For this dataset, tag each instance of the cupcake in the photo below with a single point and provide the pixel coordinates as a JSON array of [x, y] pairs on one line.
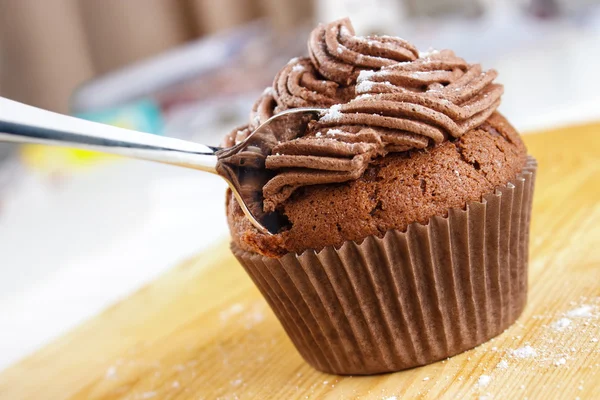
[[406, 206]]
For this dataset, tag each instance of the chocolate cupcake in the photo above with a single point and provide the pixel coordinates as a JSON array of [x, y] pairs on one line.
[[407, 206]]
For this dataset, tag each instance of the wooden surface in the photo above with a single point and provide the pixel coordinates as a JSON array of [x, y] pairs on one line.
[[202, 331]]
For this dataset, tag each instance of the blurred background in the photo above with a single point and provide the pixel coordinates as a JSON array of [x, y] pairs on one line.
[[79, 231]]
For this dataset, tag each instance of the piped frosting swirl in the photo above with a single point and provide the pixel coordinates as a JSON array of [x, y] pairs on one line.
[[339, 55], [382, 97], [299, 84]]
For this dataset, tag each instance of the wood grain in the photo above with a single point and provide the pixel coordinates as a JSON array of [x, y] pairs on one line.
[[202, 330]]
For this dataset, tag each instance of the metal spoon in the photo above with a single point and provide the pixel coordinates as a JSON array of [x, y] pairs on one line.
[[242, 165]]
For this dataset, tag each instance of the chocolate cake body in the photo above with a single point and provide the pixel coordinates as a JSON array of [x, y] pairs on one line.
[[395, 191]]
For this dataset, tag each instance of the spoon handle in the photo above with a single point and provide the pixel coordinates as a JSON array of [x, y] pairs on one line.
[[21, 123]]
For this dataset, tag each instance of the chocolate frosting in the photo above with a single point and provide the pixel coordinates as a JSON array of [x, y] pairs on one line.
[[383, 96]]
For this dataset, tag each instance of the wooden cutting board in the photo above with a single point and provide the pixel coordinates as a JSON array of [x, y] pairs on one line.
[[202, 330]]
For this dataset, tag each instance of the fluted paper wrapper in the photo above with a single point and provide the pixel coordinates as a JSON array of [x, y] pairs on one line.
[[409, 298]]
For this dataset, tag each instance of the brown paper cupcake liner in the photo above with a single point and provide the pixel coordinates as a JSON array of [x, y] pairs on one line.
[[409, 298]]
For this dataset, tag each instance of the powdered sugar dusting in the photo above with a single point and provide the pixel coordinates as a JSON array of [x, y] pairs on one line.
[[367, 86], [236, 382], [333, 114], [585, 311], [111, 373], [524, 352], [561, 324], [298, 68], [560, 361], [429, 53], [365, 75], [364, 86], [484, 380], [345, 31], [255, 316], [419, 74], [247, 315], [553, 346], [235, 309], [240, 136], [386, 72]]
